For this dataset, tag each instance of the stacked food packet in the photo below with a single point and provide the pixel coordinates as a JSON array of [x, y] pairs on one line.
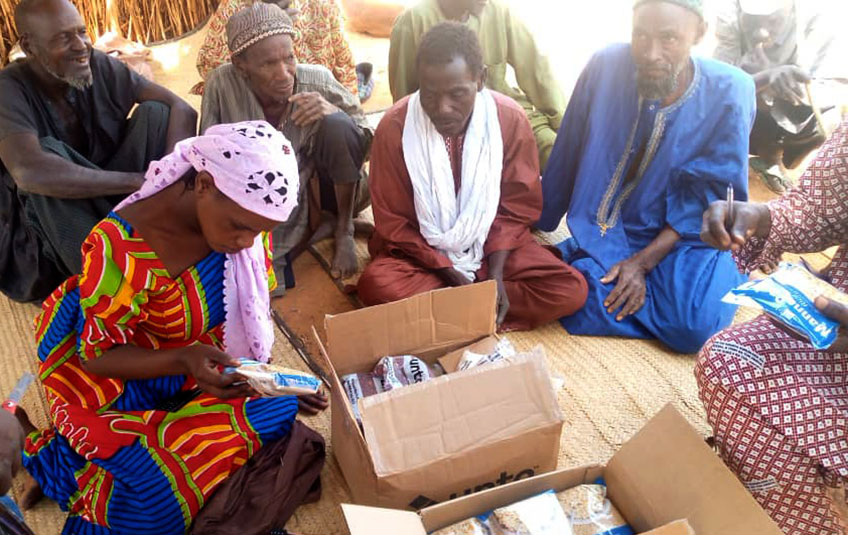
[[591, 513], [582, 510], [395, 372], [390, 373], [788, 295]]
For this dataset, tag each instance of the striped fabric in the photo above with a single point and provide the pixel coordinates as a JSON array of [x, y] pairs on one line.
[[116, 464]]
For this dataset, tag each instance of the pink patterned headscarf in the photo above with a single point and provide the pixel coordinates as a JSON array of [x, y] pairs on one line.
[[253, 164]]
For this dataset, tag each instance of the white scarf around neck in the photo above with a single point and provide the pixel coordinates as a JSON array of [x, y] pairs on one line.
[[456, 224]]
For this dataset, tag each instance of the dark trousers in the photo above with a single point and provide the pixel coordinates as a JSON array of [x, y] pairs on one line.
[[773, 143], [61, 225], [339, 151]]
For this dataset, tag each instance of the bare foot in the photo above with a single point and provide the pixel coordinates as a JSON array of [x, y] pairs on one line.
[[344, 261], [325, 229], [32, 493]]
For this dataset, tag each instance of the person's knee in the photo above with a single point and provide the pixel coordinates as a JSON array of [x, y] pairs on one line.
[[572, 291], [687, 339], [336, 128], [371, 287], [709, 356], [152, 109], [579, 292]]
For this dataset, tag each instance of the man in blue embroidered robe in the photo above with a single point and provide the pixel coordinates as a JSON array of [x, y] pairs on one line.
[[651, 136]]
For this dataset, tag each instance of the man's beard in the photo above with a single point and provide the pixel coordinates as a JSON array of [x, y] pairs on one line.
[[651, 89], [80, 82]]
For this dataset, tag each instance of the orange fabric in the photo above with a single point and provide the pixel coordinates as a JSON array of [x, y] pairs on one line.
[[540, 287]]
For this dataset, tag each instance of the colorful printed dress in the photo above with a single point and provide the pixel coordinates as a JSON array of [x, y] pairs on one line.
[[112, 460], [778, 407]]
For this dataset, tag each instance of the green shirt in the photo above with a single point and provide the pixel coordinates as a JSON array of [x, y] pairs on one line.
[[505, 41]]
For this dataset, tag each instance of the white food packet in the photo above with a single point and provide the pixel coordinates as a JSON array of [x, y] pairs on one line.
[[269, 380], [503, 350], [539, 515]]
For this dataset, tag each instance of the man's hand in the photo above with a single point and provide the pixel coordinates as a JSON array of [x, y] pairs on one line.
[[311, 107], [453, 277], [503, 301], [786, 82], [496, 262], [629, 293], [749, 219], [202, 362], [838, 312]]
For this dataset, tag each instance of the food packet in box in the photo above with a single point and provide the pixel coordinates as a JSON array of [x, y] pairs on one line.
[[269, 380], [539, 515], [590, 512], [358, 386], [472, 526], [503, 350], [788, 295], [390, 373], [403, 370]]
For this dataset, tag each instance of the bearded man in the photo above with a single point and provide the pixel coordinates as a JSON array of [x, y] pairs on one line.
[[68, 151], [651, 136]]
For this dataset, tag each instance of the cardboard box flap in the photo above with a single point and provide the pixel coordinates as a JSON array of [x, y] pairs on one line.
[[456, 413], [363, 520], [343, 402], [439, 319], [667, 472], [448, 513]]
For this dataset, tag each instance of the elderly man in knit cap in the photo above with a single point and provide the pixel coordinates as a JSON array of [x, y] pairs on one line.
[[785, 44], [321, 118], [650, 138]]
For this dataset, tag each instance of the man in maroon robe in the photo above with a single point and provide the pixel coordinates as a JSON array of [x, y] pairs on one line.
[[534, 285]]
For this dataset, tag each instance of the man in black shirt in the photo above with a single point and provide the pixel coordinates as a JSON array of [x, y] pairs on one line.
[[68, 151]]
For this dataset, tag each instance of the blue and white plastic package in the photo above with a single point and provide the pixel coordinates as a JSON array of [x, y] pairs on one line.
[[269, 380], [788, 295]]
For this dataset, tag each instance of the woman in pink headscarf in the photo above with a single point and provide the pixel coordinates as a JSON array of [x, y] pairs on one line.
[[174, 286]]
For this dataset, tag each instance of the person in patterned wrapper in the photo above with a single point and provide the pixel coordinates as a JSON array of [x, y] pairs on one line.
[[778, 407]]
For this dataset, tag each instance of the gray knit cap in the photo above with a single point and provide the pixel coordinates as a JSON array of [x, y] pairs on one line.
[[253, 23]]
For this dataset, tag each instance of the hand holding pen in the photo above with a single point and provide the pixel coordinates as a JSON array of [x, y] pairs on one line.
[[729, 224]]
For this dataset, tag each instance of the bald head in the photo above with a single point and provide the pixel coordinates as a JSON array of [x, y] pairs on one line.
[[29, 12], [54, 37]]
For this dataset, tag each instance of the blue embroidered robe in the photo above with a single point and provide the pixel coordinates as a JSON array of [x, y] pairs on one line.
[[692, 150]]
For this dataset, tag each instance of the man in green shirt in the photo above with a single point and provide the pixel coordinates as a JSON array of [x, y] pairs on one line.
[[505, 41]]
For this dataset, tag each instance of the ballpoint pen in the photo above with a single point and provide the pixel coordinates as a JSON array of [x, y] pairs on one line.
[[11, 403], [729, 217]]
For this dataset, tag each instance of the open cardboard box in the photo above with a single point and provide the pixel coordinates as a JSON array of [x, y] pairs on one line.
[[665, 479], [453, 435]]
